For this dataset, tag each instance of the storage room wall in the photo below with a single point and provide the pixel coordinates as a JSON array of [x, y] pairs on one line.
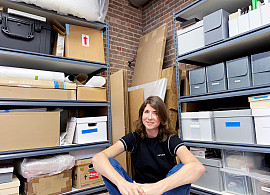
[[128, 23], [125, 23]]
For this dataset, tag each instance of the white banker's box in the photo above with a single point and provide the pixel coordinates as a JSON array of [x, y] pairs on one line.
[[91, 129]]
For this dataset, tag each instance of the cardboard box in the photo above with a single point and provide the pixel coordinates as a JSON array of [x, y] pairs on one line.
[[150, 56], [91, 129], [10, 188], [49, 184], [21, 82], [84, 175], [36, 93], [27, 130], [173, 117], [91, 93], [84, 43], [261, 101]]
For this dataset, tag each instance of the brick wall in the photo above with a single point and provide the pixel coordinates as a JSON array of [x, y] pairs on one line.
[[157, 12], [128, 24], [125, 26]]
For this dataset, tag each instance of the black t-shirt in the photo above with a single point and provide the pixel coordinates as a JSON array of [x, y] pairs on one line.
[[152, 160]]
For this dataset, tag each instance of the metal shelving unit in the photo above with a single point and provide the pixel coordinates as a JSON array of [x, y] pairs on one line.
[[32, 60], [253, 41], [87, 191]]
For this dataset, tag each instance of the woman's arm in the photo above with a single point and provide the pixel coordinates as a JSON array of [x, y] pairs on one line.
[[103, 166], [189, 173]]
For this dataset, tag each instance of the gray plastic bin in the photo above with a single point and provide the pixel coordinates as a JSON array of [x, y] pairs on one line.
[[234, 126], [212, 178], [239, 73], [197, 81], [216, 77], [261, 68], [216, 26]]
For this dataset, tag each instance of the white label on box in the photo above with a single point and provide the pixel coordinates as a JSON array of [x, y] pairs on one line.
[[85, 40], [194, 126], [197, 87], [217, 83], [265, 189], [237, 81]]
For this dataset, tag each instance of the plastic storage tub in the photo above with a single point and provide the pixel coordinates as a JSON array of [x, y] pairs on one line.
[[244, 161], [237, 182], [6, 174], [234, 126], [260, 184], [198, 126], [262, 125], [212, 178]]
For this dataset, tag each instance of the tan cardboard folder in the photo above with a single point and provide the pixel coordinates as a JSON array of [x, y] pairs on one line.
[[84, 43], [27, 130], [135, 100], [119, 105], [150, 56]]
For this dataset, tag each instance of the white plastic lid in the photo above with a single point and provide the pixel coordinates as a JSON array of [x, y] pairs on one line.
[[91, 119], [233, 171], [189, 28], [6, 169], [261, 177], [261, 112], [193, 115]]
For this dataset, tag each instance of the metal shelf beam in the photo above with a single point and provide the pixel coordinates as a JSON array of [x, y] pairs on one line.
[[51, 150], [32, 60], [87, 191], [228, 93], [56, 103], [229, 146]]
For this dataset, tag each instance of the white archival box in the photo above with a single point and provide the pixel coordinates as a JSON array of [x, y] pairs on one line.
[[91, 129], [190, 38]]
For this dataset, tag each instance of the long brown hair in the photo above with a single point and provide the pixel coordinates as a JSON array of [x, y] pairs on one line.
[[165, 129]]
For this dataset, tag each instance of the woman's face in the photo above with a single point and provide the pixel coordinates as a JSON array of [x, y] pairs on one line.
[[150, 118]]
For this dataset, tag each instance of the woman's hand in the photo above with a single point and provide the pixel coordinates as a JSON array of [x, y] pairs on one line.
[[127, 188]]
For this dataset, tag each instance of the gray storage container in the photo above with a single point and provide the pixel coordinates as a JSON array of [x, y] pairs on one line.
[[212, 178], [234, 126], [197, 81], [216, 77], [216, 26], [6, 174], [238, 73], [261, 68]]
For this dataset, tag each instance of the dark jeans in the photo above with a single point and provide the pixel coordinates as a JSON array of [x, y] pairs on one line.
[[113, 190]]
